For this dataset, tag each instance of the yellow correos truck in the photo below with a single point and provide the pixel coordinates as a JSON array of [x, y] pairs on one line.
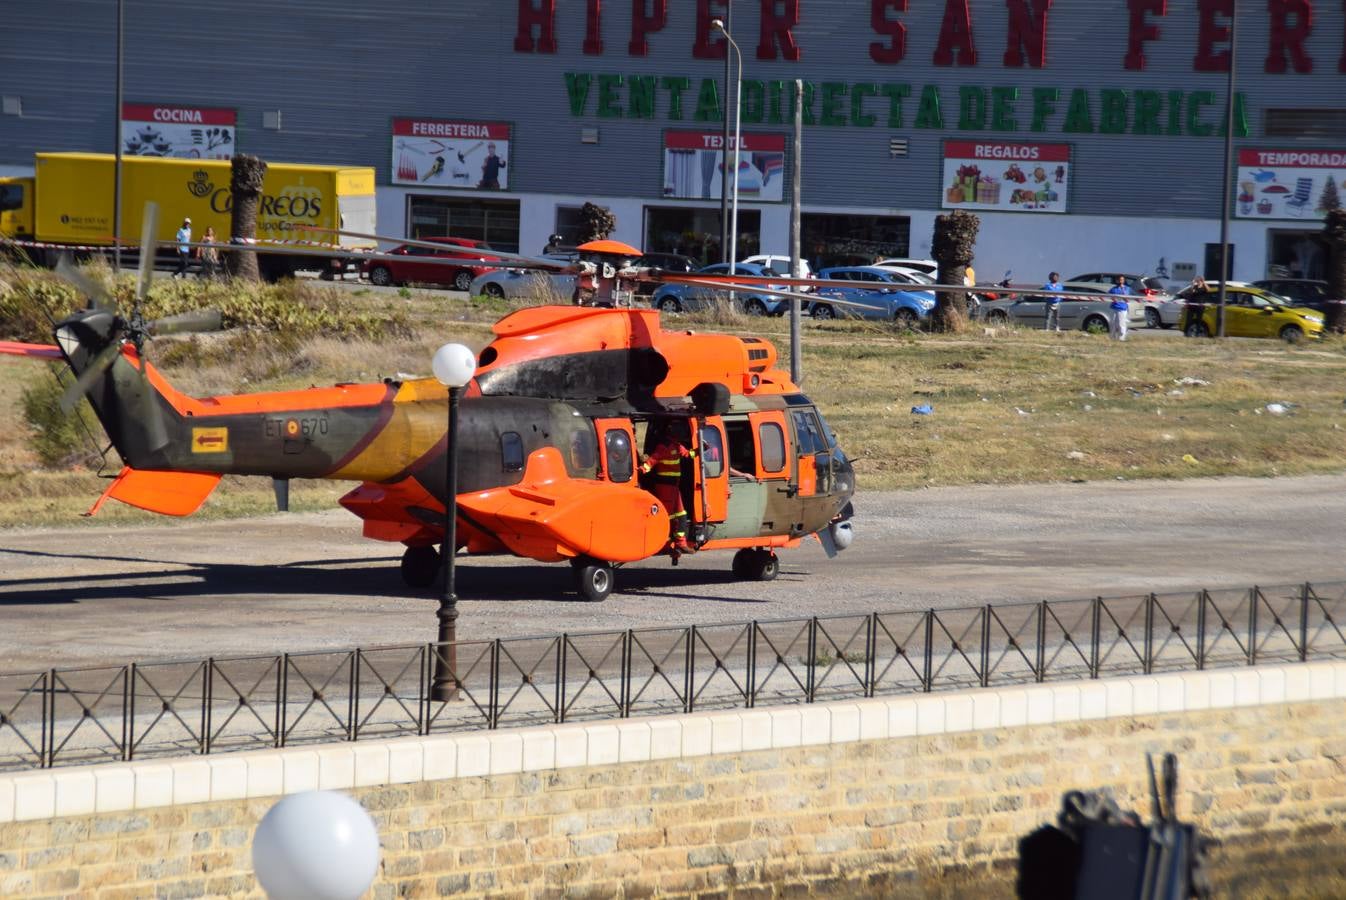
[[68, 202]]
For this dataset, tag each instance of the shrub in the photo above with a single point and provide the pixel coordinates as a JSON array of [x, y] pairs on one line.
[[59, 440]]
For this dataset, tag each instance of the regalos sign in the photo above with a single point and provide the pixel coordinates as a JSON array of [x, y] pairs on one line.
[[183, 132], [995, 176]]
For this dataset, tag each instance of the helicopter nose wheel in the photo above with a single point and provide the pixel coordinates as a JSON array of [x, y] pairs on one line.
[[420, 566], [594, 578], [752, 564]]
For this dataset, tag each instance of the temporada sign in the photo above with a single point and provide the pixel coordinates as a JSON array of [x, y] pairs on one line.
[[451, 153], [1289, 184], [184, 132], [1005, 177]]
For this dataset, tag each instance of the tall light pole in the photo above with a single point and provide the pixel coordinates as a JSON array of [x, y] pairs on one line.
[[738, 138], [724, 173], [117, 163], [1228, 166], [453, 366]]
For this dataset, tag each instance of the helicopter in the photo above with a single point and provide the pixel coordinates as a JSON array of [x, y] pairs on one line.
[[547, 458]]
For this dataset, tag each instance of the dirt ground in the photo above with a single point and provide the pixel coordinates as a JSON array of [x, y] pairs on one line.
[[293, 582]]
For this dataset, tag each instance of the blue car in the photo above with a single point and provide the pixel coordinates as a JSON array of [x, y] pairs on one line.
[[880, 293], [675, 298]]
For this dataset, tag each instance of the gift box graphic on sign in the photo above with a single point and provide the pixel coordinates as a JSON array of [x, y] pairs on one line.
[[988, 191]]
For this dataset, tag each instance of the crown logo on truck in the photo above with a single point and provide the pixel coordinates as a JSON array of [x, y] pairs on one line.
[[199, 186]]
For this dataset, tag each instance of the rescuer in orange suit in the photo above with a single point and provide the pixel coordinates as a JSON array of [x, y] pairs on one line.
[[663, 463]]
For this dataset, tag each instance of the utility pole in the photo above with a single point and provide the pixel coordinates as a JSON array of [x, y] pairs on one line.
[[796, 248], [1228, 166], [117, 162]]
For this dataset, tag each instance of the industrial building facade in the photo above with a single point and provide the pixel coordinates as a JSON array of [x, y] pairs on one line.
[[1087, 134]]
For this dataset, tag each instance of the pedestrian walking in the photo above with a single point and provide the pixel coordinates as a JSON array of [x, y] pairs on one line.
[[184, 239], [1120, 307], [1053, 303], [209, 255]]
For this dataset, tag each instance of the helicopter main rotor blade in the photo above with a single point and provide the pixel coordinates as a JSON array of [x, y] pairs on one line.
[[100, 364], [148, 245], [502, 255], [96, 293], [198, 320]]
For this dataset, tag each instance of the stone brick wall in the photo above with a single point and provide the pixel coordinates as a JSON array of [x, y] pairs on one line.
[[918, 796]]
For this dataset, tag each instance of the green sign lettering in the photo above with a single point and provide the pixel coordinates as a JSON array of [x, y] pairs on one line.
[[895, 93], [1002, 108], [971, 108], [675, 85], [928, 114], [577, 86], [1044, 104], [708, 102]]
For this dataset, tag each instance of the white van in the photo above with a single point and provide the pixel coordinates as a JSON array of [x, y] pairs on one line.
[[781, 266]]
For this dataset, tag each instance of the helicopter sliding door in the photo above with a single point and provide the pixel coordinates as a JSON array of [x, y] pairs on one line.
[[710, 496], [616, 449]]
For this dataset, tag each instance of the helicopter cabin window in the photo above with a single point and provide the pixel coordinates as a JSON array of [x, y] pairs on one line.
[[773, 446], [511, 451], [712, 452], [584, 452], [621, 465], [742, 452], [808, 433]]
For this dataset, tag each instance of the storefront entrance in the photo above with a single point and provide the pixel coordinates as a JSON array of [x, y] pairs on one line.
[[695, 232], [1294, 253], [494, 221], [852, 240]]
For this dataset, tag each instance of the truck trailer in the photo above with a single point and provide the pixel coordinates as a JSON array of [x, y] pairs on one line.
[[67, 205]]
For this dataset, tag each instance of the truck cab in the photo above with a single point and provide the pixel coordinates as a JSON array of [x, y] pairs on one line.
[[16, 208]]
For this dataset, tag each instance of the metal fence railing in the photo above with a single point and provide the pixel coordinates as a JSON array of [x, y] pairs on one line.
[[85, 715]]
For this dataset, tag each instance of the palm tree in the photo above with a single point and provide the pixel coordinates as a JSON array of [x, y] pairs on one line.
[[245, 184], [952, 247]]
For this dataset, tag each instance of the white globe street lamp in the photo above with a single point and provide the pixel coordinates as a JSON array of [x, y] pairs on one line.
[[453, 366]]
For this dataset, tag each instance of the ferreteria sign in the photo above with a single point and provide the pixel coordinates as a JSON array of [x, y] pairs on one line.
[[903, 105]]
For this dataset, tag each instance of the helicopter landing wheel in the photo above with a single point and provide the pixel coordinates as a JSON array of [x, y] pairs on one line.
[[420, 566], [756, 565], [594, 578]]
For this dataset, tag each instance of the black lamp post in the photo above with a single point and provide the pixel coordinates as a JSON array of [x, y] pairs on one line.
[[453, 366], [1225, 198]]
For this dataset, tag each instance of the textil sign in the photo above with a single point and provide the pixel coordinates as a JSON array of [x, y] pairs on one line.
[[451, 154], [182, 132], [1004, 177], [1289, 184], [694, 166]]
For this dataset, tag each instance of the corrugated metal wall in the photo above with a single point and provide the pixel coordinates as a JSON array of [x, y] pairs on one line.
[[339, 70]]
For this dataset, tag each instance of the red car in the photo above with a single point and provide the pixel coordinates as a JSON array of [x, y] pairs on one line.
[[415, 267]]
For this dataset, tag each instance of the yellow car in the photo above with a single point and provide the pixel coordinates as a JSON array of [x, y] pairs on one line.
[[1249, 312]]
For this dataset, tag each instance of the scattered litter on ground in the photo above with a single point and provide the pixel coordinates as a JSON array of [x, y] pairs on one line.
[[1177, 393], [1166, 436], [1087, 408], [1190, 459], [1277, 409], [1074, 454], [1189, 381], [924, 409], [1022, 412], [1088, 394]]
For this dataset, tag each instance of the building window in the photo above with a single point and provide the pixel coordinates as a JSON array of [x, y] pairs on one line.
[[695, 232], [846, 240], [1324, 124], [494, 221], [569, 225]]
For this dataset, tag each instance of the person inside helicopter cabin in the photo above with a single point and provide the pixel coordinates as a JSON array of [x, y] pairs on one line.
[[663, 465]]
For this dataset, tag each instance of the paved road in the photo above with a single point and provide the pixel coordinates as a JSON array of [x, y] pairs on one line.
[[308, 581]]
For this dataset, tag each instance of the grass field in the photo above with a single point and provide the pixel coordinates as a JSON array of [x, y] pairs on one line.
[[1009, 406]]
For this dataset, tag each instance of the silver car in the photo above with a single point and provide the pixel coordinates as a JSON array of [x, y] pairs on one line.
[[524, 284], [1030, 309], [1162, 309]]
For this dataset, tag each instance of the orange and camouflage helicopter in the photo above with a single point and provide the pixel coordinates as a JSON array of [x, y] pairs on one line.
[[550, 424]]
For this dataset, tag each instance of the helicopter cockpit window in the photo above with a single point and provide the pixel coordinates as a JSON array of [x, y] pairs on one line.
[[584, 451], [772, 439], [621, 465], [712, 452], [511, 451], [806, 432], [828, 434]]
